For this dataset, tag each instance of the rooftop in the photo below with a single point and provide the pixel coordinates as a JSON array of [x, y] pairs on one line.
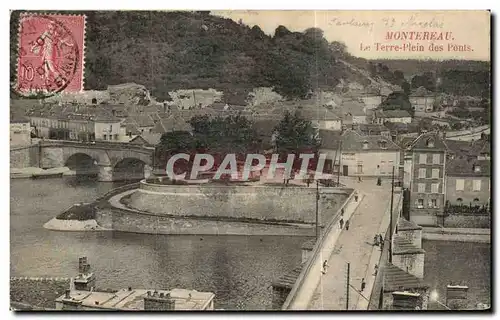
[[392, 113], [404, 246], [396, 279], [288, 280], [353, 141], [465, 168], [428, 141], [130, 300], [405, 225]]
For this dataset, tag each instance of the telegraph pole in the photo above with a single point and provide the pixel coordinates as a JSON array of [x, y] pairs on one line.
[[392, 204], [340, 164], [317, 210], [347, 287]]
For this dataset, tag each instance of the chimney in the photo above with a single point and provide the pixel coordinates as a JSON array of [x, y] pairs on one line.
[[163, 302], [82, 262]]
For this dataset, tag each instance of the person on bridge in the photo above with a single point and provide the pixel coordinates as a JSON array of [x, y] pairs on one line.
[[347, 225], [363, 284], [341, 222], [342, 212], [325, 266], [375, 240]]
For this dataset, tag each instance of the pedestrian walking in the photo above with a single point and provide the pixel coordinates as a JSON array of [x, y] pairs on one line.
[[356, 197], [341, 223], [375, 240], [342, 212], [363, 284], [380, 239], [347, 225], [325, 266], [376, 269]]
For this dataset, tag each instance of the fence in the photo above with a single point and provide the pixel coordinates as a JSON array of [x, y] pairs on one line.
[[314, 255]]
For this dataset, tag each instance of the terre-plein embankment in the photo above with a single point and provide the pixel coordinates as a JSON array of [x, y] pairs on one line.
[[215, 209]]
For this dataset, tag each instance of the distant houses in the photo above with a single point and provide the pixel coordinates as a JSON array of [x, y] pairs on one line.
[[394, 116]]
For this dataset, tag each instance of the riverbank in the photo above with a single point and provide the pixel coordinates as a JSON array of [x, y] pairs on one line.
[[73, 225], [457, 234], [34, 172]]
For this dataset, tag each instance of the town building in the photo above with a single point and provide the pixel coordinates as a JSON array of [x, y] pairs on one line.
[[136, 300], [75, 122], [353, 112], [322, 118], [108, 128], [372, 130], [422, 100], [424, 175], [468, 182], [371, 101], [394, 116], [367, 156], [20, 132]]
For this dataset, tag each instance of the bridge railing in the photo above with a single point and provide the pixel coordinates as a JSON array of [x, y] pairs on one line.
[[107, 144], [314, 255]]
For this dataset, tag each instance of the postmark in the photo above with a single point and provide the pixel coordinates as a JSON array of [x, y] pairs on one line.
[[50, 54]]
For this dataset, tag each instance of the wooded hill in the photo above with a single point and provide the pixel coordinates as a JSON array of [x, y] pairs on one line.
[[166, 51]]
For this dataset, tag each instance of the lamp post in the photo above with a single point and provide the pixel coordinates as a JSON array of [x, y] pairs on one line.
[[434, 297]]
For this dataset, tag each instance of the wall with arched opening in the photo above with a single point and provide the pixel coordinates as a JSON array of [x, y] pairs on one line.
[[82, 164], [129, 169]]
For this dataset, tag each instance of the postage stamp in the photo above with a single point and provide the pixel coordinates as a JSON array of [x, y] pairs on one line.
[[50, 54]]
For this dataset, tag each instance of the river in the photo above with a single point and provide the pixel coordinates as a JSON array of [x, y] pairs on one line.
[[238, 269]]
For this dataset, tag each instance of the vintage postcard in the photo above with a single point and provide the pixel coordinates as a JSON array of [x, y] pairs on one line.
[[250, 160]]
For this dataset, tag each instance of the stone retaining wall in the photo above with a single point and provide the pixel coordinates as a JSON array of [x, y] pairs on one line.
[[128, 221], [266, 203]]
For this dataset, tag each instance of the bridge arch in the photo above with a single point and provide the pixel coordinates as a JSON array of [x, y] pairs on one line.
[[82, 164], [130, 168]]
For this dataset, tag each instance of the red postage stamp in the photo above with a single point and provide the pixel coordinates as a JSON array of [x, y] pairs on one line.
[[50, 54]]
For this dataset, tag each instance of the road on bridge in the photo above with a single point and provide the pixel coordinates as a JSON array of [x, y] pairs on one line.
[[356, 247]]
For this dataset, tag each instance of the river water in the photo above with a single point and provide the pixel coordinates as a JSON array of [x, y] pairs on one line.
[[238, 269]]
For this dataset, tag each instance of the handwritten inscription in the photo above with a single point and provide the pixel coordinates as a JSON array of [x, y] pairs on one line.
[[414, 21]]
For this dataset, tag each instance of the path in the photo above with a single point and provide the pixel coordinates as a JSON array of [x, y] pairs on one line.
[[354, 246]]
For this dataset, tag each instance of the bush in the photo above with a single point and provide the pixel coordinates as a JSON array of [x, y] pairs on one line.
[[79, 212]]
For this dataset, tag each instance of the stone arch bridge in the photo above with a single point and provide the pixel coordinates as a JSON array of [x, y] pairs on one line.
[[110, 161]]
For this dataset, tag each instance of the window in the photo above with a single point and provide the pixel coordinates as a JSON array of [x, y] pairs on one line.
[[476, 185], [435, 188], [422, 172], [459, 200], [116, 137], [365, 144], [433, 203], [477, 168], [423, 158], [436, 158], [360, 168], [421, 187], [435, 173], [104, 136], [459, 186], [430, 143], [420, 203]]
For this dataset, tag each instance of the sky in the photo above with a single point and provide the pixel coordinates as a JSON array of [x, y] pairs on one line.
[[468, 31]]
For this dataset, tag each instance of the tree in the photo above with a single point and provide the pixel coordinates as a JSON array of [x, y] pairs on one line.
[[406, 88], [231, 134], [294, 134], [398, 100]]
